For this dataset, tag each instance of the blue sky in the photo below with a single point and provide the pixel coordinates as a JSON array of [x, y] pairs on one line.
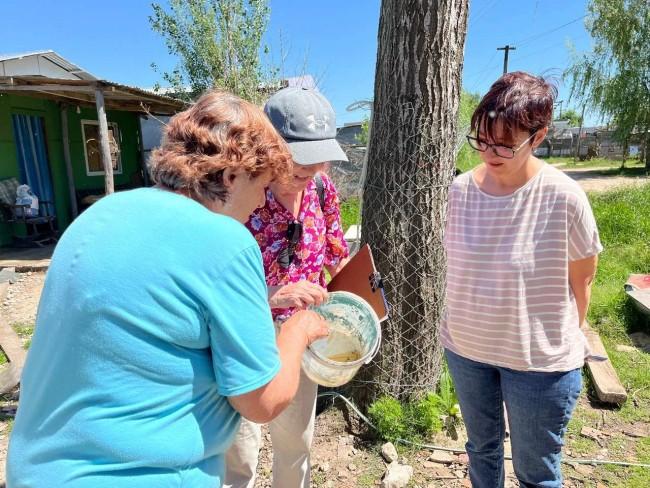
[[335, 40]]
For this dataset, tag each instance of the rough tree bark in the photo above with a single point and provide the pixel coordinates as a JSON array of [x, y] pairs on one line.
[[411, 160]]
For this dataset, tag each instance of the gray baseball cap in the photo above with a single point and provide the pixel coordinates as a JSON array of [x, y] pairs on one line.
[[306, 120]]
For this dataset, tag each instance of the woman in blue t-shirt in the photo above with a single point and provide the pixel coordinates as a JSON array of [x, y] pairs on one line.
[[154, 334]]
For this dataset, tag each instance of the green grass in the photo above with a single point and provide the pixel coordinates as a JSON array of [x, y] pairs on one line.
[[582, 446], [467, 158], [624, 222], [569, 163], [640, 477], [349, 212]]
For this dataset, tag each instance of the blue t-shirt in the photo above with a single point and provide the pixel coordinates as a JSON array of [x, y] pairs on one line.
[[154, 310]]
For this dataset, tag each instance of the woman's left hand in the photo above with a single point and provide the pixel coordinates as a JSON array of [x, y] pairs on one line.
[[301, 294]]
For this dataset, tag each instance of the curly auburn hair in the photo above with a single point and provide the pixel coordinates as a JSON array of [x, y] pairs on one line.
[[219, 131], [519, 101]]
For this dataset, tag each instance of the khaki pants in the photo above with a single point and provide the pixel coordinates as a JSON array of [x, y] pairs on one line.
[[291, 435]]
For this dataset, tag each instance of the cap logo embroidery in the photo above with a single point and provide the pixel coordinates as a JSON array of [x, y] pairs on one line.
[[317, 123]]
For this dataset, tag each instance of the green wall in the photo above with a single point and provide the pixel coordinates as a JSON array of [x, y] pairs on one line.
[[129, 145], [127, 123]]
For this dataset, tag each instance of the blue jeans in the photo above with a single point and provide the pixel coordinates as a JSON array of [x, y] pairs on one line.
[[539, 407]]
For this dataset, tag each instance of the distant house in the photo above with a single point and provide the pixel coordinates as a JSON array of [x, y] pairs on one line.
[[50, 136], [563, 140]]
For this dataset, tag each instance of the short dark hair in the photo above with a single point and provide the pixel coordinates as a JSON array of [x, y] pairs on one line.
[[517, 100]]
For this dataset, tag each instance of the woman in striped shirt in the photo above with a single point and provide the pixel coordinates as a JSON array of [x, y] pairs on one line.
[[522, 247]]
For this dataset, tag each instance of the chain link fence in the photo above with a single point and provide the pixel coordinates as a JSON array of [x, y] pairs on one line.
[[405, 214]]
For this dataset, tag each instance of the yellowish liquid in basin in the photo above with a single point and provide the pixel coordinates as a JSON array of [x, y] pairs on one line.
[[345, 357], [341, 346]]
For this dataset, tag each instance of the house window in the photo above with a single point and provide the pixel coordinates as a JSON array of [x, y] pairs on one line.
[[92, 149]]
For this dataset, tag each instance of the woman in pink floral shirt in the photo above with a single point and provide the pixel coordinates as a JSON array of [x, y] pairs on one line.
[[319, 246], [299, 238]]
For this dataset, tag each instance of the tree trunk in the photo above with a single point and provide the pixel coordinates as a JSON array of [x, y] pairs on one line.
[[411, 161]]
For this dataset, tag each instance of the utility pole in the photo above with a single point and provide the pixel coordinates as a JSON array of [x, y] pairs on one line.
[[582, 118], [507, 48], [560, 102]]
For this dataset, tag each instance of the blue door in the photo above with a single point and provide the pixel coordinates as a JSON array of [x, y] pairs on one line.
[[33, 164]]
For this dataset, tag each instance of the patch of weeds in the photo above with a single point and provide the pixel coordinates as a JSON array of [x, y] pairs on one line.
[[423, 417], [439, 410], [318, 478], [23, 329], [389, 417], [3, 357], [427, 414]]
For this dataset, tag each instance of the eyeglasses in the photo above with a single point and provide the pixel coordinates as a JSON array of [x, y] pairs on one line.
[[506, 152], [294, 233]]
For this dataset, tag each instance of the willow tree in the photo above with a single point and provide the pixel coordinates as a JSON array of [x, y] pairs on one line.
[[411, 157], [614, 78]]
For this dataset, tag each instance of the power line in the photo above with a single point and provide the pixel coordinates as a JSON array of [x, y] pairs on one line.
[[523, 42], [480, 79], [540, 51], [486, 8], [485, 68], [528, 40]]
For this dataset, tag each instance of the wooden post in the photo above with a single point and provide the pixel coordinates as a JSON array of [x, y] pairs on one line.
[[582, 118], [103, 141], [68, 161], [606, 382], [143, 162]]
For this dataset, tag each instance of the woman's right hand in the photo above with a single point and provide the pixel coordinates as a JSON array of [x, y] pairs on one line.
[[300, 294], [310, 324]]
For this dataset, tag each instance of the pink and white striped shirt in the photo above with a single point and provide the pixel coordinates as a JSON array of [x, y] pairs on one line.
[[509, 302]]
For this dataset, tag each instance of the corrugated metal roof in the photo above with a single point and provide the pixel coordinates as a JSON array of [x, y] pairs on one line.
[[5, 57], [82, 92], [52, 57]]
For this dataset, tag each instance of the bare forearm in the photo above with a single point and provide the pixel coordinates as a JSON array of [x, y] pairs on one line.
[[581, 277], [266, 403], [582, 296]]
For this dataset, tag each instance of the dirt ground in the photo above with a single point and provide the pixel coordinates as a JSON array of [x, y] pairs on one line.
[[17, 308], [22, 299], [591, 180], [340, 455]]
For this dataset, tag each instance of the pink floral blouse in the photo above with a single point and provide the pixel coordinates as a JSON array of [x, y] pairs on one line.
[[321, 243]]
